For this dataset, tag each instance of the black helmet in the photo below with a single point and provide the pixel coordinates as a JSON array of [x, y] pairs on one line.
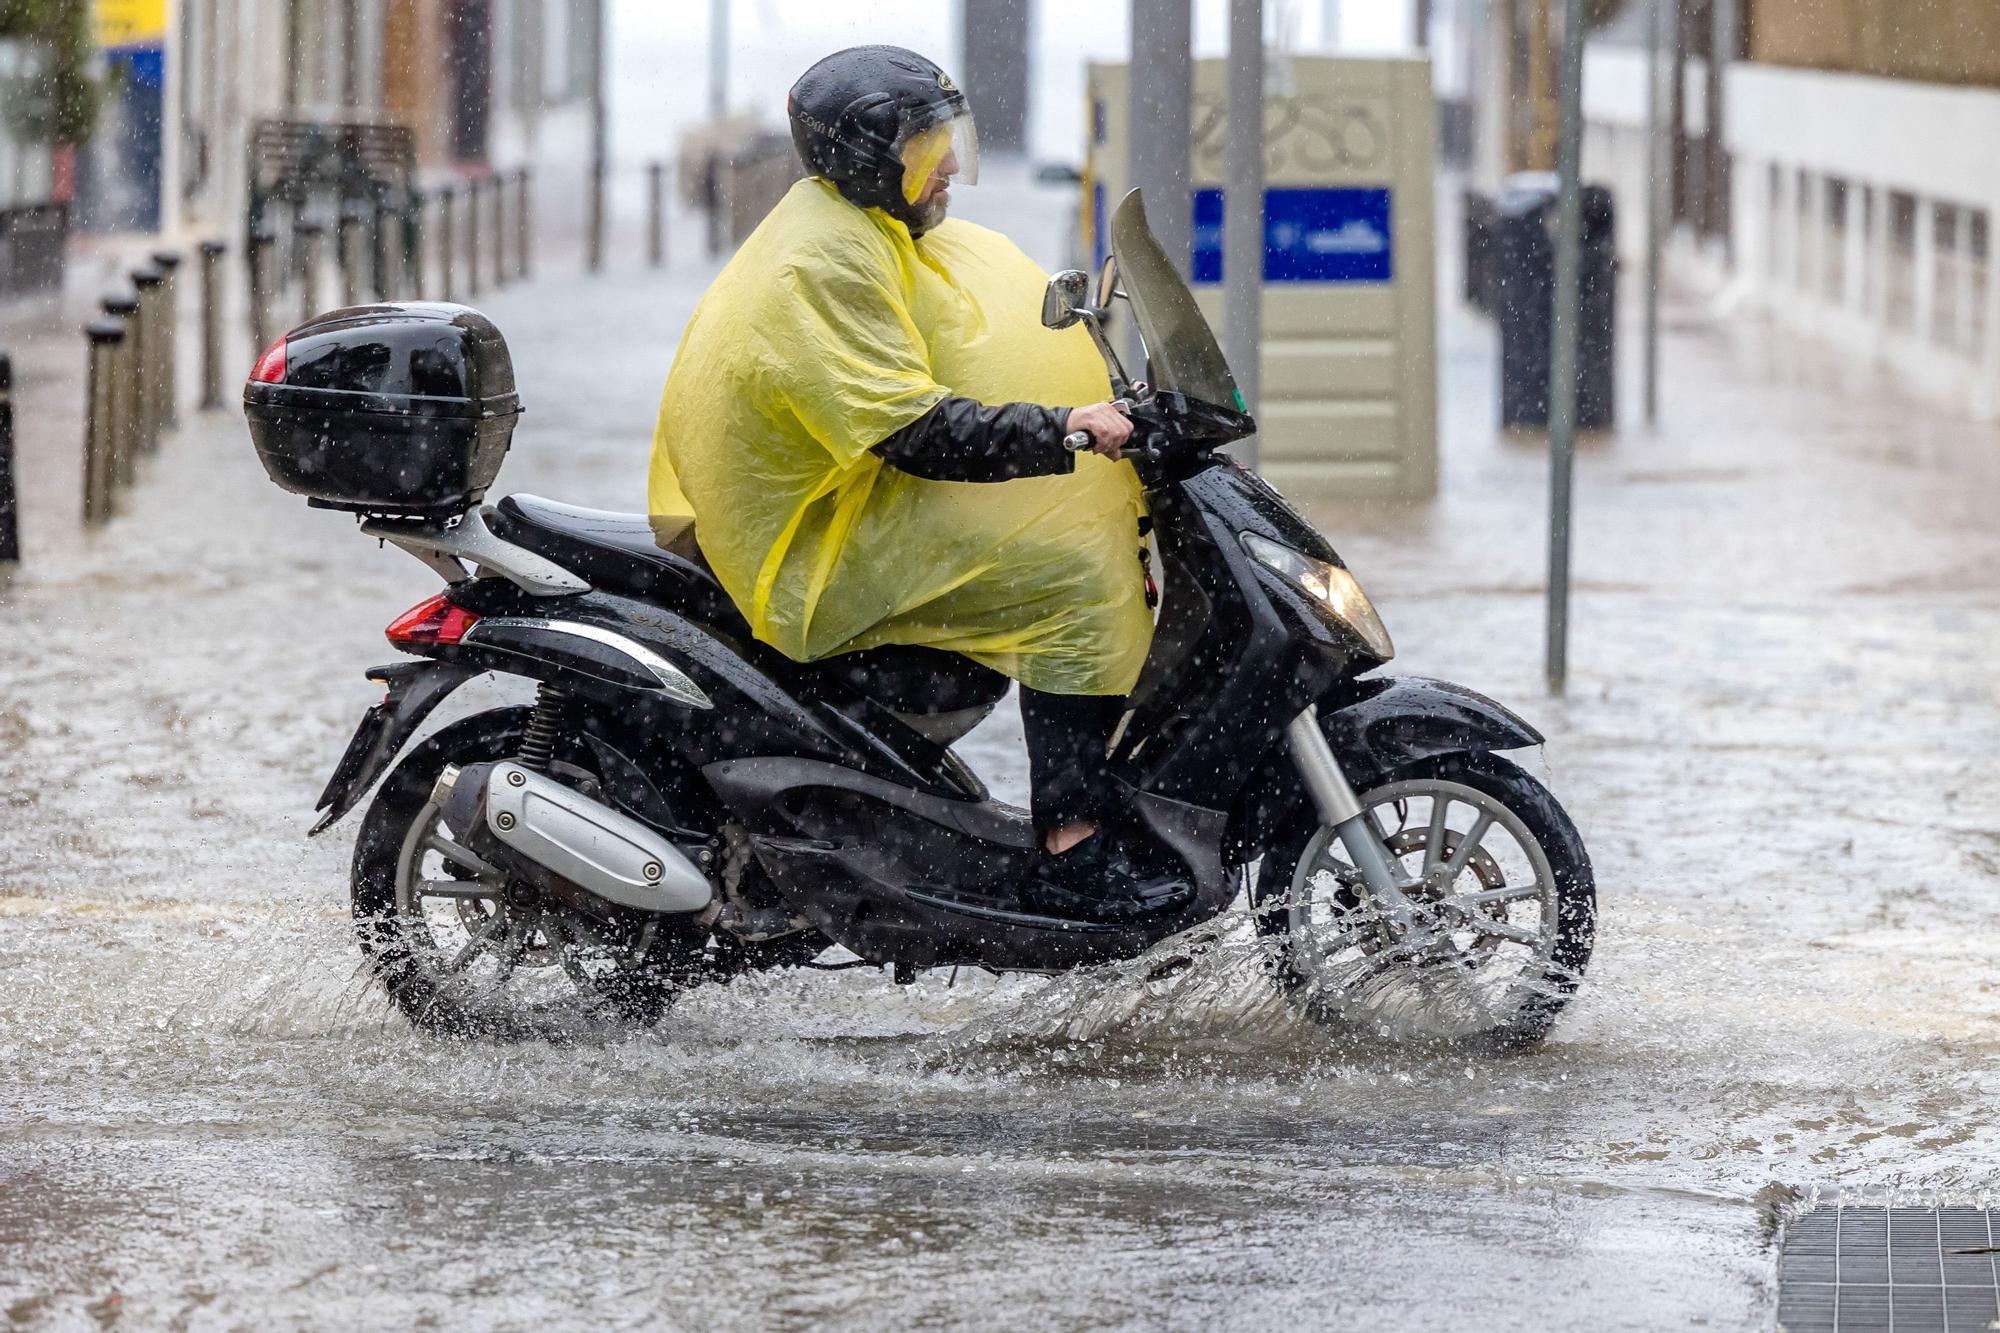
[[879, 121]]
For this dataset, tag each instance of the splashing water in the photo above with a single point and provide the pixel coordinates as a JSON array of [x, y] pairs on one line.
[[1223, 986]]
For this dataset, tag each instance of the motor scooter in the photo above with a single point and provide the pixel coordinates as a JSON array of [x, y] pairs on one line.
[[683, 802]]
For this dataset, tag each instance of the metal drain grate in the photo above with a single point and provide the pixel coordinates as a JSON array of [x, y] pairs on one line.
[[1899, 1270]]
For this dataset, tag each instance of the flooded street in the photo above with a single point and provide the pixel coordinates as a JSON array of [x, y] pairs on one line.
[[1778, 746]]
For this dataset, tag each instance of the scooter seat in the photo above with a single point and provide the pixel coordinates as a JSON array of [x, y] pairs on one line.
[[635, 554], [657, 558]]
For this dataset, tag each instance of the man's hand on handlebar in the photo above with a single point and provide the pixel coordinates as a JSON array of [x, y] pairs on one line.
[[1103, 427]]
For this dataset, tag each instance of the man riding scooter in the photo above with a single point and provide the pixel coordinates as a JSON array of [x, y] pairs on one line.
[[866, 417]]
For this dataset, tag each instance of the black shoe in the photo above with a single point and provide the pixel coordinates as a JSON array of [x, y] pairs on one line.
[[1098, 880]]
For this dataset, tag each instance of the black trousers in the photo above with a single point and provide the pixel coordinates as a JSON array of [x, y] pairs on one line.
[[1067, 735]]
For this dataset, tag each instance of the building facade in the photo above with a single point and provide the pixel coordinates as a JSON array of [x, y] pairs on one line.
[[1836, 177]]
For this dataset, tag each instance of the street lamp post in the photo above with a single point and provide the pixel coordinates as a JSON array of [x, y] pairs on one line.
[[1563, 357]]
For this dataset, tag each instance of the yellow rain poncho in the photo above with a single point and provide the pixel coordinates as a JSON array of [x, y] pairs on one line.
[[829, 331]]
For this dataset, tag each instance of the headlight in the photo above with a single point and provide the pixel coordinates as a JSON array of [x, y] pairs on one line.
[[1329, 585]]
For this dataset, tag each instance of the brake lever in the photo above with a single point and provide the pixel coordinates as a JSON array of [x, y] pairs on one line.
[[1080, 442]]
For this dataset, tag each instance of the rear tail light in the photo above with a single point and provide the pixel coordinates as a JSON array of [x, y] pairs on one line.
[[270, 368], [431, 624]]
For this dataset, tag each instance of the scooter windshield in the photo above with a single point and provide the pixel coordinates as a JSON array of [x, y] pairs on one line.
[[1180, 345]]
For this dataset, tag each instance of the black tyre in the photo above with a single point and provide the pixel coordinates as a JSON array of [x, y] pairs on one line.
[[464, 949], [1504, 887]]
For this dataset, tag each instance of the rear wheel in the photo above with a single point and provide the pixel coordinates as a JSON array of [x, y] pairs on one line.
[[1505, 901], [463, 947]]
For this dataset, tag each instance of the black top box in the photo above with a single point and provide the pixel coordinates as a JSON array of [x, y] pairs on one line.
[[402, 408]]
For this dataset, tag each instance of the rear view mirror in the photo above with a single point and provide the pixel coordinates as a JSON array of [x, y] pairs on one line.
[[1064, 299], [1107, 282]]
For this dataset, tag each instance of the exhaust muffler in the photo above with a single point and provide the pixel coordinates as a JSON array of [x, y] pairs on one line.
[[559, 830]]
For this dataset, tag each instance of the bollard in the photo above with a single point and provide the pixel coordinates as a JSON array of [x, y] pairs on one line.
[[656, 213], [522, 217], [10, 526], [413, 244], [124, 414], [594, 258], [343, 256], [257, 258], [472, 238], [144, 363], [100, 428], [502, 271], [211, 324], [446, 238], [168, 362], [387, 280], [309, 233]]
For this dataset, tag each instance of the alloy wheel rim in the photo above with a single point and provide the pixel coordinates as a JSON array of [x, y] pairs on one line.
[[1470, 894]]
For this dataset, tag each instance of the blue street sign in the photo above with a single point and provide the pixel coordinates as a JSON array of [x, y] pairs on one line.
[[1313, 235]]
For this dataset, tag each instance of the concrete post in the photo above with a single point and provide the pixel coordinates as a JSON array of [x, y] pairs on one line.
[[169, 363], [257, 257], [523, 225], [388, 282], [502, 270], [101, 425], [344, 257], [309, 233], [594, 258], [211, 324], [472, 193], [415, 279], [1243, 209], [656, 214], [1162, 89], [147, 282], [993, 69], [124, 454], [447, 237]]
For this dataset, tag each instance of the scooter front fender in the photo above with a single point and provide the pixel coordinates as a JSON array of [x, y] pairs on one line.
[[1377, 726], [1382, 724]]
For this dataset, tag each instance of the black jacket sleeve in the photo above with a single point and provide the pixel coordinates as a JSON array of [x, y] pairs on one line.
[[962, 439]]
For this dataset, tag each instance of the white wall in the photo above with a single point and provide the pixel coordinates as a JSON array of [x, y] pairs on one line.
[[1824, 162]]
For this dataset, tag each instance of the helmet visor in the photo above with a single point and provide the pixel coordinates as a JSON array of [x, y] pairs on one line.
[[947, 151]]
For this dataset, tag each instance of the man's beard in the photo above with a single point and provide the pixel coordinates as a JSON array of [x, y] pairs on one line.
[[932, 213]]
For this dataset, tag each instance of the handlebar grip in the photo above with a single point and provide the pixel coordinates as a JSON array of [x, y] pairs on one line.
[[1077, 441]]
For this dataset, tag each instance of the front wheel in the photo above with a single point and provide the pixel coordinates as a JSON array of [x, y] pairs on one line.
[[1505, 908], [462, 947]]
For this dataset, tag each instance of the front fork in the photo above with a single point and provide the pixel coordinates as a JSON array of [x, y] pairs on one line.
[[1342, 811]]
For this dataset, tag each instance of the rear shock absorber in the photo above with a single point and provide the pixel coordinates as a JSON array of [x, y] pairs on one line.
[[538, 745]]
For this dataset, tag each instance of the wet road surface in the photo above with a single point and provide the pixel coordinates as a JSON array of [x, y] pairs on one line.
[[1778, 745]]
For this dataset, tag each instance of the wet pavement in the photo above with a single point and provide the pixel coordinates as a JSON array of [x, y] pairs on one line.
[[1777, 743]]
